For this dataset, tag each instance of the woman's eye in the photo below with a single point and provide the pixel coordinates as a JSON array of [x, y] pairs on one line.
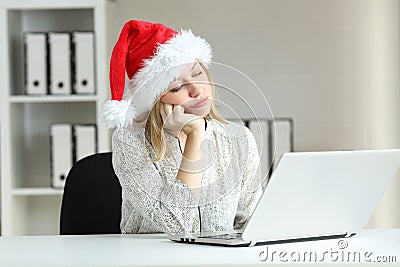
[[176, 89]]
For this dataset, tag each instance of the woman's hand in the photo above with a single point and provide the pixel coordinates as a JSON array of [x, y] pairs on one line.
[[176, 120]]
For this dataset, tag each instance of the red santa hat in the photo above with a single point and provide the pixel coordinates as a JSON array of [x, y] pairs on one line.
[[152, 56]]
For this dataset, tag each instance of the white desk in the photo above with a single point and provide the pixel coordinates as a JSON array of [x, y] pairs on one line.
[[155, 250]]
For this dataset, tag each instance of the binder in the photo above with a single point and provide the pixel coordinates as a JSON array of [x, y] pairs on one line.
[[61, 153], [35, 63], [260, 130], [283, 137], [60, 63], [85, 140], [83, 62]]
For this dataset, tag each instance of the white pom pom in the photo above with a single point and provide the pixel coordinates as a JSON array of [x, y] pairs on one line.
[[117, 113]]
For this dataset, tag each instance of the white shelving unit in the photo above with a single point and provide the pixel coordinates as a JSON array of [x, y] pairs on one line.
[[29, 206]]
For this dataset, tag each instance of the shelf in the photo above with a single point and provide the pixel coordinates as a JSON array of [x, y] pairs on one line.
[[28, 204], [64, 4], [52, 99], [37, 191]]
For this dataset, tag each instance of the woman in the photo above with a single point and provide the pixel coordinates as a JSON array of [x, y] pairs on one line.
[[182, 168]]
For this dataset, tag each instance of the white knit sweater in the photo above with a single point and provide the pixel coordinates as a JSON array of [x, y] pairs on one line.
[[155, 201]]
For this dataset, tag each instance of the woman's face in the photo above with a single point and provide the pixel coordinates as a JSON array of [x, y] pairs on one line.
[[192, 90]]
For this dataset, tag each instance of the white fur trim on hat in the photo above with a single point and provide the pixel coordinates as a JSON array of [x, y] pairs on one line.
[[117, 113]]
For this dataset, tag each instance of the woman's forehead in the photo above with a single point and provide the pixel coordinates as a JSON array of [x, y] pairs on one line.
[[187, 68], [190, 66]]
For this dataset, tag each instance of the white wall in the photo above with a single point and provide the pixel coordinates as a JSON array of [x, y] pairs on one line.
[[333, 66], [384, 98]]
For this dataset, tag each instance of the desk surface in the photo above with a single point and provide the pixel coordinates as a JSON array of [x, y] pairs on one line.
[[155, 250]]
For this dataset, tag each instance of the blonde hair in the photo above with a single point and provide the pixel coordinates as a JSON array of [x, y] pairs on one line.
[[154, 124]]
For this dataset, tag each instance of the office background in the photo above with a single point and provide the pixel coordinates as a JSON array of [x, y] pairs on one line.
[[332, 66]]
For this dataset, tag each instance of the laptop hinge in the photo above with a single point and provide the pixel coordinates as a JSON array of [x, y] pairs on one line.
[[349, 234], [252, 243]]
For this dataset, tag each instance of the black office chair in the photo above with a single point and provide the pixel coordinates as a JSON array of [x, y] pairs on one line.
[[91, 202]]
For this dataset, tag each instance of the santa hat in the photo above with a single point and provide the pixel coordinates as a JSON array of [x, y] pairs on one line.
[[152, 56]]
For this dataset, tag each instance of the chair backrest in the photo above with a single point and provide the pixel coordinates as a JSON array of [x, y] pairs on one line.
[[91, 202]]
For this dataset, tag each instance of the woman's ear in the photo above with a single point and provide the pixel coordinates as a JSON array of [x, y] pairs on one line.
[[162, 99]]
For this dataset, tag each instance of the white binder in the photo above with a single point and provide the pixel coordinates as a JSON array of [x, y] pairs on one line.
[[61, 153], [60, 63], [260, 130], [35, 63], [85, 140], [83, 51]]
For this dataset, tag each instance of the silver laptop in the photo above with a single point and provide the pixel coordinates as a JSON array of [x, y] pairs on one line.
[[314, 195]]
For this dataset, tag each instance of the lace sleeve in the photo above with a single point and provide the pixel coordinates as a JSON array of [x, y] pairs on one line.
[[251, 189], [171, 205]]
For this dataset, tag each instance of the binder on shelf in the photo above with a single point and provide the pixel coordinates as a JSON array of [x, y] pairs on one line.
[[260, 130], [283, 137], [85, 140], [60, 63], [83, 62], [61, 153], [35, 63]]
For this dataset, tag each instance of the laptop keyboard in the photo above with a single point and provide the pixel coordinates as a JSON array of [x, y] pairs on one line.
[[223, 236]]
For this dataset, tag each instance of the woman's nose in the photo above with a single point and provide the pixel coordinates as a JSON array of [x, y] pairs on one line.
[[195, 89]]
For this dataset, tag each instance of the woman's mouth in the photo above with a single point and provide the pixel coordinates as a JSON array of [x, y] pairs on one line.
[[200, 103]]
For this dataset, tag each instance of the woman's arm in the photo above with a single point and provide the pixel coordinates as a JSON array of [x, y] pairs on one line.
[[177, 122], [171, 205], [190, 170]]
